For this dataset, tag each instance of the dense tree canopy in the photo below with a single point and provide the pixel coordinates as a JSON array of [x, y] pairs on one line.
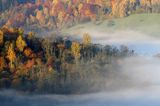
[[58, 13]]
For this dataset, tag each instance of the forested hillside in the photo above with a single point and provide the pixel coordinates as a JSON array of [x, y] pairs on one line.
[[57, 14]]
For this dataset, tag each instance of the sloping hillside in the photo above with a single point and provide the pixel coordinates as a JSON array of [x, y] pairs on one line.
[[57, 14], [143, 23]]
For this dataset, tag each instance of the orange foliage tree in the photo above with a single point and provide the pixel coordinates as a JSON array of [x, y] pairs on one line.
[[1, 37], [29, 53]]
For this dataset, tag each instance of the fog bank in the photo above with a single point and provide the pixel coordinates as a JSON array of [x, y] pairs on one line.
[[136, 82]]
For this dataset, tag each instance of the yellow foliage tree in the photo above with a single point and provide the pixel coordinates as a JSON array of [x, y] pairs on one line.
[[132, 1], [1, 37], [20, 43], [20, 31], [80, 6], [86, 39], [40, 17], [75, 13], [30, 35], [75, 49], [11, 55], [61, 16], [55, 2]]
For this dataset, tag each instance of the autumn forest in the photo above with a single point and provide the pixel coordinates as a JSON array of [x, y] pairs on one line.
[[37, 56]]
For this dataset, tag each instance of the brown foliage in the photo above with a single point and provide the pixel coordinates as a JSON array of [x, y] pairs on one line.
[[2, 63], [30, 64], [1, 37]]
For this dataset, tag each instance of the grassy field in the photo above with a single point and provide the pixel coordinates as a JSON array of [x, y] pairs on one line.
[[144, 23]]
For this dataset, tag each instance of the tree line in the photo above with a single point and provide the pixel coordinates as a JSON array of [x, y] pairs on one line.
[[54, 64]]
